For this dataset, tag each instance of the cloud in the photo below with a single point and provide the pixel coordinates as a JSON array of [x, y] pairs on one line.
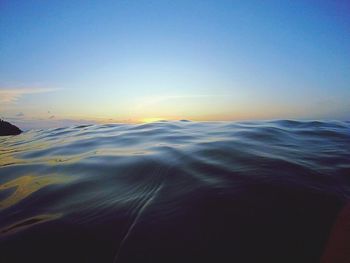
[[10, 95], [20, 114]]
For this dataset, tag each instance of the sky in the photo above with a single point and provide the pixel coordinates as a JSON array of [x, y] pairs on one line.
[[64, 62]]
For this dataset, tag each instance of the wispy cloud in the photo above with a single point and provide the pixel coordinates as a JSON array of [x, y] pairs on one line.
[[10, 95]]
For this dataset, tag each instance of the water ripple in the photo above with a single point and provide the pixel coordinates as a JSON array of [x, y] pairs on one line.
[[169, 191]]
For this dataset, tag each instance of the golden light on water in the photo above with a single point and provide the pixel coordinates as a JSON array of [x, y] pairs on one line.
[[25, 186], [28, 222]]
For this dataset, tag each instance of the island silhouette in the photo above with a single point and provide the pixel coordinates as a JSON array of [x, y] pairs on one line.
[[7, 128]]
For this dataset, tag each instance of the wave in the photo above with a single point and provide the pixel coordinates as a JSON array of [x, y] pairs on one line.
[[176, 191]]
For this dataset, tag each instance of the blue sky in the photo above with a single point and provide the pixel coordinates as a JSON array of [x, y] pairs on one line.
[[200, 60]]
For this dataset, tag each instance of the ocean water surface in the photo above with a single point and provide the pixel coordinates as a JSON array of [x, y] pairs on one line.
[[173, 192]]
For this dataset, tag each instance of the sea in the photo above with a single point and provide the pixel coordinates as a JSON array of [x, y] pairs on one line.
[[173, 191]]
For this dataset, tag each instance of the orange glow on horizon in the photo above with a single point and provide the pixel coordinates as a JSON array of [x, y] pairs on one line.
[[152, 119]]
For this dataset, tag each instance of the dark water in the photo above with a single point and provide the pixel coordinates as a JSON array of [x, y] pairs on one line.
[[173, 192]]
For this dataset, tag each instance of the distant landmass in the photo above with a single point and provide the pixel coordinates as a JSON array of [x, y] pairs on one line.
[[7, 128]]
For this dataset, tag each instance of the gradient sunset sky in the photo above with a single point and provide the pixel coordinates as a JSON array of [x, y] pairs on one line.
[[130, 61]]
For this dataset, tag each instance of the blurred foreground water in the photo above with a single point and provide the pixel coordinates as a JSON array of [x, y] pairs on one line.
[[173, 192]]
